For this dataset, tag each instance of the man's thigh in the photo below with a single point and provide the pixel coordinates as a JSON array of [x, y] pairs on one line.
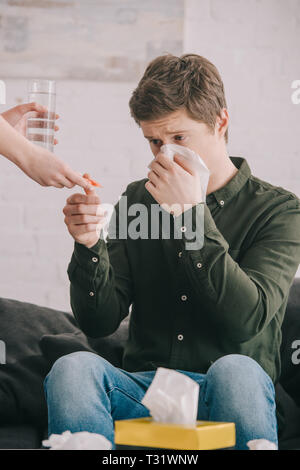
[[129, 389], [126, 393]]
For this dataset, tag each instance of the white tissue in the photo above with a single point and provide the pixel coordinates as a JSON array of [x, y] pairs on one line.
[[77, 441], [172, 397], [261, 444], [169, 150]]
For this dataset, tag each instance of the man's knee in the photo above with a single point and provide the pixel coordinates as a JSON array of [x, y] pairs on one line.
[[77, 367], [237, 369]]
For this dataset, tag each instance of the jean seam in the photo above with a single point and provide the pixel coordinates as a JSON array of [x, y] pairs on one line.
[[205, 400], [45, 384], [127, 394], [272, 401]]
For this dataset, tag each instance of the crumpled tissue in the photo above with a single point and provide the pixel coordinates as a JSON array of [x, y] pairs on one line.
[[83, 440], [261, 444], [196, 162], [172, 397]]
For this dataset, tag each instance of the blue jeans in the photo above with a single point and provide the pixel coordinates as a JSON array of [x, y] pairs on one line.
[[84, 392]]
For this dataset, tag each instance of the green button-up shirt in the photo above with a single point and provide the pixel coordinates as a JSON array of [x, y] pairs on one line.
[[191, 307]]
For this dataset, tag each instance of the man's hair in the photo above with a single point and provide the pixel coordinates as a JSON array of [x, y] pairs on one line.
[[171, 83]]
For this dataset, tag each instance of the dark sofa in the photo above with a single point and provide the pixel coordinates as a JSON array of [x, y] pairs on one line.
[[36, 336]]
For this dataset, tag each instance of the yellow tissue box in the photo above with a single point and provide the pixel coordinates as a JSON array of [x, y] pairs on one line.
[[145, 432]]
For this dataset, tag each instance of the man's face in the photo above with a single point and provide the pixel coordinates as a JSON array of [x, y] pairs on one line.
[[179, 128]]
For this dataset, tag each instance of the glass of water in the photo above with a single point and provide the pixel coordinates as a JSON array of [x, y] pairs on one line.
[[41, 128]]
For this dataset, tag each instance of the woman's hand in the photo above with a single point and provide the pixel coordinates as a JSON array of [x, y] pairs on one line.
[[17, 116], [48, 170], [38, 163]]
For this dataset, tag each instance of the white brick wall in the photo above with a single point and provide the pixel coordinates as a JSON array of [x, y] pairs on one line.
[[254, 44], [96, 135]]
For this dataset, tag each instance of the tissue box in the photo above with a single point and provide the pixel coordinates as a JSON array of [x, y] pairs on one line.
[[146, 433]]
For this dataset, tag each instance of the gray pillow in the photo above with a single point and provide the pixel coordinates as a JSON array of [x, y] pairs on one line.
[[21, 377], [35, 337]]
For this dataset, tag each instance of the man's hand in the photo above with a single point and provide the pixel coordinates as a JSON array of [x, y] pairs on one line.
[[173, 183], [84, 218]]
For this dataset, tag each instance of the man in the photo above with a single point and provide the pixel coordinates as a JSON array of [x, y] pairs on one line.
[[213, 313]]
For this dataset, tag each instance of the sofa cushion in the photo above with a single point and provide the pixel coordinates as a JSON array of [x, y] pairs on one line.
[[290, 433], [110, 347], [290, 357], [34, 338], [20, 437], [21, 376]]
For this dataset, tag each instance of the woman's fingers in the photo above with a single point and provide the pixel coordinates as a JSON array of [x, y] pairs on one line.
[[56, 184], [27, 107], [66, 182], [76, 178], [70, 183]]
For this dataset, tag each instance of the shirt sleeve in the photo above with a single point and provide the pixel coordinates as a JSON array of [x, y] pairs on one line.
[[242, 297], [101, 283]]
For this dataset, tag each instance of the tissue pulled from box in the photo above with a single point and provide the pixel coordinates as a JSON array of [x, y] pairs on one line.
[[195, 162], [83, 440], [172, 397]]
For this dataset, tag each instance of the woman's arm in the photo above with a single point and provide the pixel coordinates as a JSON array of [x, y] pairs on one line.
[[36, 162]]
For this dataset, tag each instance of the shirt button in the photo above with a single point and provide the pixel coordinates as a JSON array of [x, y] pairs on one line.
[[183, 229], [180, 254], [180, 337], [222, 203], [94, 259], [199, 265], [183, 297], [92, 294]]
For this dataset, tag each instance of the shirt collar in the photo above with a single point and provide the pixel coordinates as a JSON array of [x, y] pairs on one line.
[[222, 195]]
